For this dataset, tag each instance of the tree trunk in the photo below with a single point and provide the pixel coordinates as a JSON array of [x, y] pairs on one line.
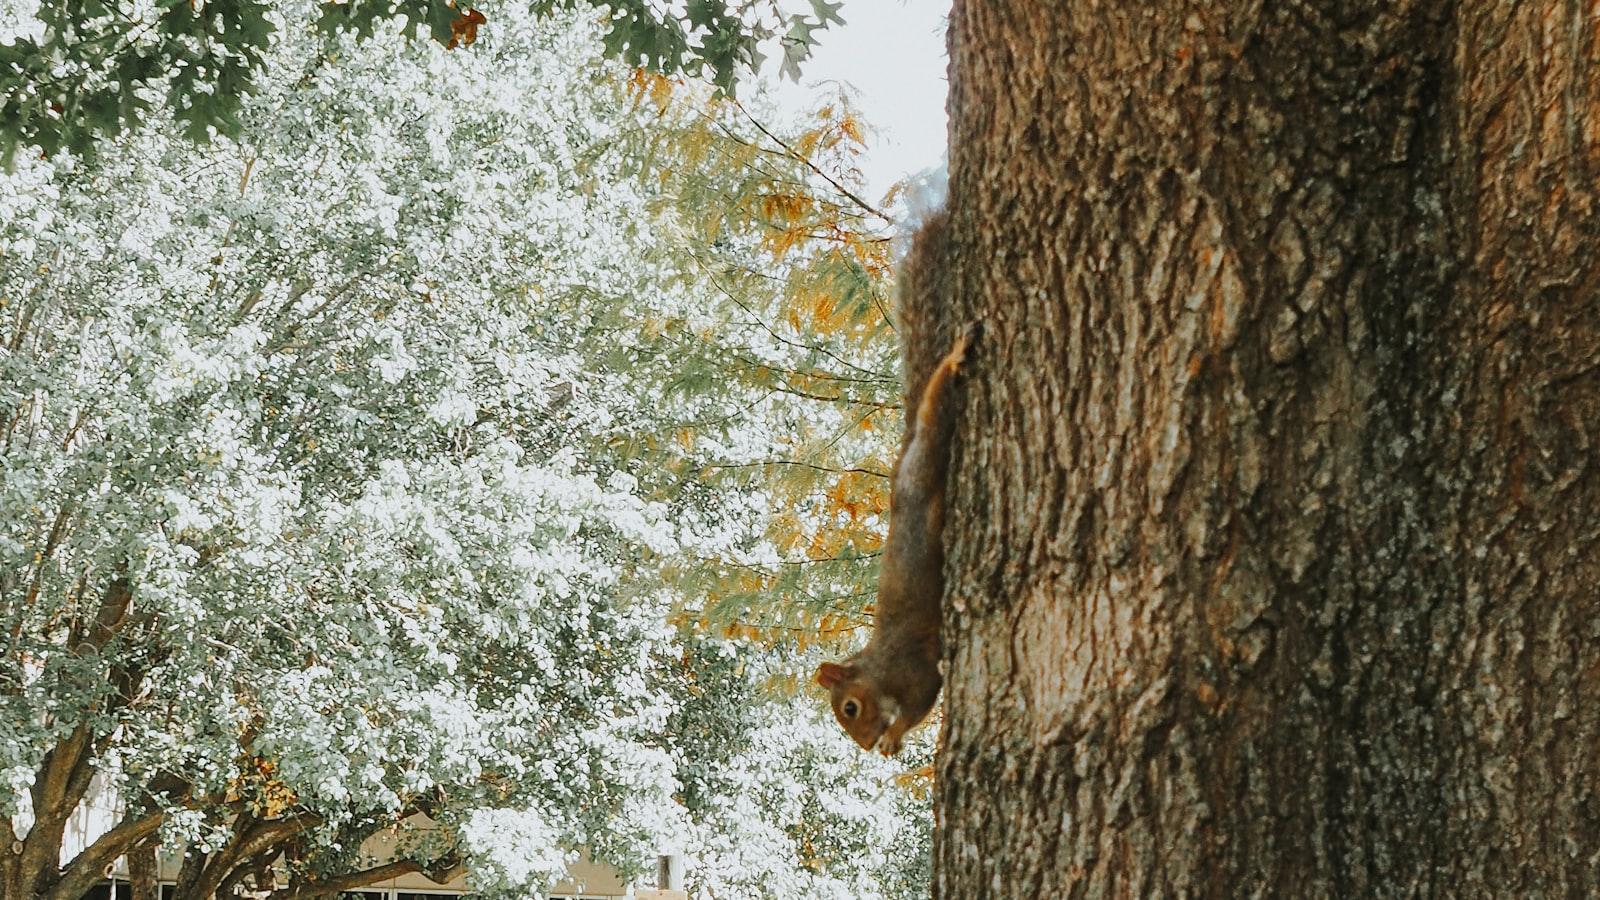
[[1275, 542], [142, 871]]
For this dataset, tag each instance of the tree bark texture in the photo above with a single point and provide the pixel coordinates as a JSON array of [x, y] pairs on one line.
[[1274, 553], [142, 872]]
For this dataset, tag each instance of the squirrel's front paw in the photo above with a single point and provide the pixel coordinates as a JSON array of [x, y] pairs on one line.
[[969, 336], [889, 742]]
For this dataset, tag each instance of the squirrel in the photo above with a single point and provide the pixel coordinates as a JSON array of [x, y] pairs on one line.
[[890, 686]]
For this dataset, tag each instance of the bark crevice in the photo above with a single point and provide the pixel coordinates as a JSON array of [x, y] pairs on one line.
[[1277, 519]]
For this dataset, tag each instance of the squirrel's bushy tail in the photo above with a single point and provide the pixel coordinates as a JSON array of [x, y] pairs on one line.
[[921, 307]]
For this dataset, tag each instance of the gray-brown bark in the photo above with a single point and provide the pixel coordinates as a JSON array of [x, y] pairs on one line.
[[142, 872], [1275, 536], [31, 867]]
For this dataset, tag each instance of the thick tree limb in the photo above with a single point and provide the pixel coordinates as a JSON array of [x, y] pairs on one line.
[[142, 870], [442, 871], [251, 840], [88, 867]]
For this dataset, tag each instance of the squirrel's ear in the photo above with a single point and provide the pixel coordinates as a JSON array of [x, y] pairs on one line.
[[830, 674]]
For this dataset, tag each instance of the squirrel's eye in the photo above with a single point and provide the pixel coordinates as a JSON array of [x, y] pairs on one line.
[[851, 708]]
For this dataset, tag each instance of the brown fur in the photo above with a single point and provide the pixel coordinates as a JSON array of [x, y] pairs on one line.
[[890, 686], [920, 298]]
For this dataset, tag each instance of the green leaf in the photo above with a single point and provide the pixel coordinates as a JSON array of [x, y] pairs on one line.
[[439, 16], [708, 14], [702, 37], [827, 12]]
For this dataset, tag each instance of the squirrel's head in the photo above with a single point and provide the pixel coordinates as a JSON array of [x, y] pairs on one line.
[[856, 704]]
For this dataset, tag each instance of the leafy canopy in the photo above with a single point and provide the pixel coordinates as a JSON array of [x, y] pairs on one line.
[[307, 523], [77, 69], [366, 434], [775, 226]]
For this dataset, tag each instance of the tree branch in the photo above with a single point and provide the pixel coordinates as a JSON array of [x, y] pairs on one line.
[[797, 157], [442, 871], [142, 870], [60, 775], [135, 830], [795, 462], [254, 838], [86, 868]]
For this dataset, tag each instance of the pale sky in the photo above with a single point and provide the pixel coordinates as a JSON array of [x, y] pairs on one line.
[[892, 52]]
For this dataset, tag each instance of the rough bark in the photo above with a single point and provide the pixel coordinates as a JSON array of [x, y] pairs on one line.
[[1275, 536], [441, 872], [30, 866], [142, 872], [83, 871]]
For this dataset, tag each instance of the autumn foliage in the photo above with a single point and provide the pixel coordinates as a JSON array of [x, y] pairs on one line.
[[804, 262]]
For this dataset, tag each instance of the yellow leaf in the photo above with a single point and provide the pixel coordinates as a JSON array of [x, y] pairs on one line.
[[822, 309], [661, 92], [849, 126], [806, 143]]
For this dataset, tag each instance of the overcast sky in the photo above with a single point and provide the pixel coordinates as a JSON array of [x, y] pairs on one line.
[[892, 52]]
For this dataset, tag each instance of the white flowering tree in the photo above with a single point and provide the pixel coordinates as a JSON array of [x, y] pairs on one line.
[[300, 531], [341, 466], [803, 353], [781, 804]]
